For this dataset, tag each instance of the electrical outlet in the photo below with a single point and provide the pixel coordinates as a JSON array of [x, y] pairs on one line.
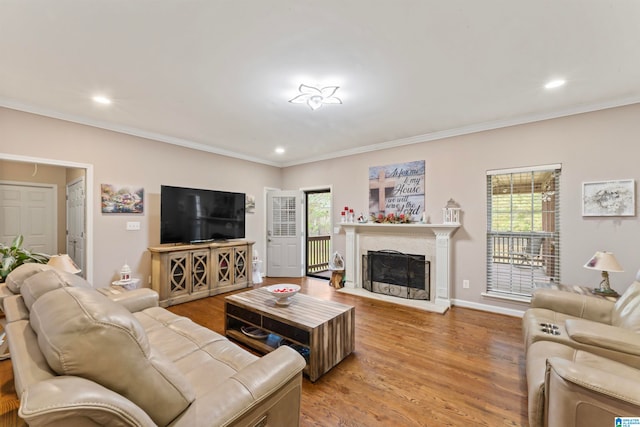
[[133, 225], [465, 284]]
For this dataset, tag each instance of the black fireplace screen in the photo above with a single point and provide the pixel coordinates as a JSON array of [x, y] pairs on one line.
[[395, 273]]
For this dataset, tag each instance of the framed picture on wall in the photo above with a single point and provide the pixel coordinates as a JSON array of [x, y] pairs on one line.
[[609, 198], [250, 205], [121, 199]]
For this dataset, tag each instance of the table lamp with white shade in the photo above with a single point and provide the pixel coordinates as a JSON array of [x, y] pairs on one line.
[[63, 262], [604, 262]]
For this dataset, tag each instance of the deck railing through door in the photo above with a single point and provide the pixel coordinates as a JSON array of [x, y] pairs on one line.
[[318, 253]]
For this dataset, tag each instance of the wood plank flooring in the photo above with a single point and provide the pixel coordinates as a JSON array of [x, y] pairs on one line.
[[409, 368]]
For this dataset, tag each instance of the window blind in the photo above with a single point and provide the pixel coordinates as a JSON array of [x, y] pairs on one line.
[[523, 229], [284, 216]]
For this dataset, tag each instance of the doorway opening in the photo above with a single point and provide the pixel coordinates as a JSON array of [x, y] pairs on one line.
[[58, 172], [318, 233]]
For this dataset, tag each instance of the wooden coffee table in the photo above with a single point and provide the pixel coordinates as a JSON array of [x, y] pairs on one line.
[[321, 331]]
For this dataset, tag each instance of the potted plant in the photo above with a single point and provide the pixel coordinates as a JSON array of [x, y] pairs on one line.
[[15, 255]]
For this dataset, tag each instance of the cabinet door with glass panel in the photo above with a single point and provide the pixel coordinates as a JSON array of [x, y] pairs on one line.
[[231, 268]]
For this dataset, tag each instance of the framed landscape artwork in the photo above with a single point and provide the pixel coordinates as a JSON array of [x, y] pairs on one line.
[[121, 199], [609, 198]]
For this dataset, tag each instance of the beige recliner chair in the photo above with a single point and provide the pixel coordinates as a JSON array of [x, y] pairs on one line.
[[583, 322], [575, 388], [582, 358]]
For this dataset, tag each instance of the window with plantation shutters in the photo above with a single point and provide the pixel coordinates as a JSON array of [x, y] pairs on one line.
[[523, 230], [284, 216]]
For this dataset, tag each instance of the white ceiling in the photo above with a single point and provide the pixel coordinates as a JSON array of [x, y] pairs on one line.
[[217, 74]]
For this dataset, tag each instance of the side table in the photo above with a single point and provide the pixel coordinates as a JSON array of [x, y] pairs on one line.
[[118, 288]]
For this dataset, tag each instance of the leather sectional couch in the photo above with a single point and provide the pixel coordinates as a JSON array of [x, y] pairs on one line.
[[83, 359], [582, 358]]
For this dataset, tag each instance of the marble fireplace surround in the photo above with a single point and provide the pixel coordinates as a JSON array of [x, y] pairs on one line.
[[431, 240]]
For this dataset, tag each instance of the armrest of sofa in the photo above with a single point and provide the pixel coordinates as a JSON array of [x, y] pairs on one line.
[[68, 400], [28, 363], [136, 299], [582, 395], [577, 305], [5, 292], [15, 309], [270, 371], [273, 383], [605, 336]]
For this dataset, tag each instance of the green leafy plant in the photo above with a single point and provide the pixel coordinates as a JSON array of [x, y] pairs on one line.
[[15, 255]]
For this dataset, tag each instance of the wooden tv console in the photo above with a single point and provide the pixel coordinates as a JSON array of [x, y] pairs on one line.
[[181, 273]]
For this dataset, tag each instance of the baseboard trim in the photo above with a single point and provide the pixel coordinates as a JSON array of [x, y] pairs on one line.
[[487, 307]]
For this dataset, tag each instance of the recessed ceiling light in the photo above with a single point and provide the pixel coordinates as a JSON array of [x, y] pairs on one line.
[[101, 100], [554, 84], [280, 150]]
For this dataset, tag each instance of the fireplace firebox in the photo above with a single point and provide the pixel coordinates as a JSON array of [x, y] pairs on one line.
[[395, 273]]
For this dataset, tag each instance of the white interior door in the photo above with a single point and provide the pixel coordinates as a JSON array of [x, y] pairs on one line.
[[30, 210], [285, 233], [75, 222]]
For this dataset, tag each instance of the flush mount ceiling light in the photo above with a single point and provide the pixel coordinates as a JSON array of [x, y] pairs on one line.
[[279, 150], [101, 99], [554, 84], [316, 98]]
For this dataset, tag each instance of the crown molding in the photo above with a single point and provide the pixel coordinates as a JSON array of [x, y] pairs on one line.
[[473, 128], [8, 103], [432, 136]]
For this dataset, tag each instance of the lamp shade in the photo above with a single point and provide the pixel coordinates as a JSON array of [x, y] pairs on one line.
[[63, 263], [603, 261]]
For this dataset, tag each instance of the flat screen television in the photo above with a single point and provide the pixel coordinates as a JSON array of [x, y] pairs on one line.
[[190, 215]]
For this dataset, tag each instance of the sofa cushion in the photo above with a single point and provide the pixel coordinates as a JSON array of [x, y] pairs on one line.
[[83, 333], [626, 312], [39, 284], [205, 357], [21, 273]]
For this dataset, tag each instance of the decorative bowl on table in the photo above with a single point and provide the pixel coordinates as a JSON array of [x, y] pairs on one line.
[[283, 292]]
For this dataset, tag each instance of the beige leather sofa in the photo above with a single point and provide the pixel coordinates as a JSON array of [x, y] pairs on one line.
[[13, 281], [82, 359], [582, 358]]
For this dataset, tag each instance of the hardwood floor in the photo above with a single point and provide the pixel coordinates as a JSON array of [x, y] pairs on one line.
[[409, 368]]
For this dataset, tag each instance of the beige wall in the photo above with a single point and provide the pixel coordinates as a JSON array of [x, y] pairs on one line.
[[128, 160], [595, 146]]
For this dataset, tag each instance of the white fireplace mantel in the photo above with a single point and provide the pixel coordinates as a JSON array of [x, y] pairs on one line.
[[442, 232]]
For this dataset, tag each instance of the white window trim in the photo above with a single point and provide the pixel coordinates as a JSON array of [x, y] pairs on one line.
[[492, 293], [524, 169]]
